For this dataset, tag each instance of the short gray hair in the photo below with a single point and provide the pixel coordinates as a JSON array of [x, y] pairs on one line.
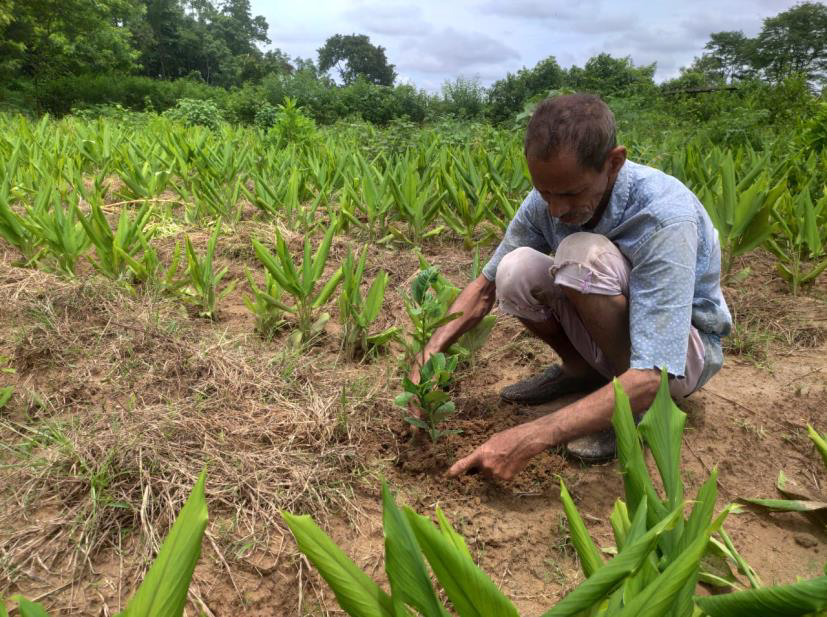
[[580, 123]]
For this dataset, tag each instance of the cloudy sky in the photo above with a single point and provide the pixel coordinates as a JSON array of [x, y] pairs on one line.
[[433, 41]]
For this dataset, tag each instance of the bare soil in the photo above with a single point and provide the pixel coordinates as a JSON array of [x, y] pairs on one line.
[[122, 398]]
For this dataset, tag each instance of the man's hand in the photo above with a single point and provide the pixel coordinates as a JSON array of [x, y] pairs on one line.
[[504, 454]]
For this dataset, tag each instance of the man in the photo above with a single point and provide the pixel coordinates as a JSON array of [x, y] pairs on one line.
[[616, 266]]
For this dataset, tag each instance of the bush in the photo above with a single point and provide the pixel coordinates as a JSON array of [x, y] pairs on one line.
[[291, 126], [195, 112], [266, 116], [58, 96], [464, 98]]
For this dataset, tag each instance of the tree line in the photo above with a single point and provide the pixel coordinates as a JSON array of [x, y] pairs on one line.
[[56, 55]]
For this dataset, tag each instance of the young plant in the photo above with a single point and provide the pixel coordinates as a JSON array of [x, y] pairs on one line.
[[203, 280], [358, 312], [425, 306], [801, 234], [266, 305], [417, 201], [16, 229], [465, 209], [58, 228], [429, 395], [302, 280], [740, 210], [367, 200], [128, 238]]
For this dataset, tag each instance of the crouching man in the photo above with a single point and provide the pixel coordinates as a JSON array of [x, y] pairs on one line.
[[616, 266]]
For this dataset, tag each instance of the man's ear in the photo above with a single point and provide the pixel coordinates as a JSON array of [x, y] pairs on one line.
[[616, 158]]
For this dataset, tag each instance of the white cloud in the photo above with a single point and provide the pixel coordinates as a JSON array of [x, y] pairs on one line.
[[451, 52]]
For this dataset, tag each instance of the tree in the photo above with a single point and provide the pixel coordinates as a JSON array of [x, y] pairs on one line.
[[610, 76], [507, 96], [464, 97], [353, 55], [731, 56], [47, 38], [794, 41]]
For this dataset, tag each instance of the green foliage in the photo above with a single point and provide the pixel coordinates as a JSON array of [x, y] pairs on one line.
[[110, 247], [655, 572], [204, 281], [301, 280], [291, 126], [163, 592], [355, 56], [464, 98], [429, 396], [358, 312], [426, 308], [195, 112], [801, 236], [740, 208]]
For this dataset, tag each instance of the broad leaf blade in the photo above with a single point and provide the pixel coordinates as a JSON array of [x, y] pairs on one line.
[[793, 600], [408, 576], [163, 592], [356, 593], [469, 589]]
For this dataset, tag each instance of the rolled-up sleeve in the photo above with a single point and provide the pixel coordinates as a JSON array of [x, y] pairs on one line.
[[521, 231], [661, 288]]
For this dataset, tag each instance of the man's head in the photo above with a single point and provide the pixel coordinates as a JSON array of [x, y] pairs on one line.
[[573, 156]]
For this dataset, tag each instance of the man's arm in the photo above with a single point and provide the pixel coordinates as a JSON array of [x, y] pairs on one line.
[[474, 302], [507, 452]]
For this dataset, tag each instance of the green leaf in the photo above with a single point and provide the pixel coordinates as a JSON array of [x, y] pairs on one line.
[[818, 509], [658, 598], [408, 576], [5, 395], [403, 399], [356, 593], [163, 593], [595, 588], [26, 608], [820, 443], [590, 559], [472, 593], [794, 600], [637, 482], [662, 428]]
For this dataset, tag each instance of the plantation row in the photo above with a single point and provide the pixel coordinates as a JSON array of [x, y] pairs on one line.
[[62, 180]]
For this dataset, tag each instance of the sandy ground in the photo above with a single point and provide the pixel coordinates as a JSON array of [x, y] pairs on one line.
[[315, 433]]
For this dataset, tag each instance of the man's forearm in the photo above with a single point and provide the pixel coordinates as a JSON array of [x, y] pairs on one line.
[[594, 412], [474, 303]]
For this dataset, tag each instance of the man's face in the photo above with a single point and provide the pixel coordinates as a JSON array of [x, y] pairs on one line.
[[575, 194]]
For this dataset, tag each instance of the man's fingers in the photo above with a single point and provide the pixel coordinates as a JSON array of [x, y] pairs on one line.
[[464, 464]]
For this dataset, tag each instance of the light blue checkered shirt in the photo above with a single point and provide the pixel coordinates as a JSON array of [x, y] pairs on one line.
[[665, 233]]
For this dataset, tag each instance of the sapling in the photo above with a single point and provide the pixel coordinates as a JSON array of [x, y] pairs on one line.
[[358, 312], [426, 309], [429, 395]]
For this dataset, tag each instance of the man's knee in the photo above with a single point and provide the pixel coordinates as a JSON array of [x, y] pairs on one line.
[[588, 263], [523, 268], [524, 284]]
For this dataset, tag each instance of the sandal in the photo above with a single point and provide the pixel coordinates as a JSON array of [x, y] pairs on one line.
[[547, 386]]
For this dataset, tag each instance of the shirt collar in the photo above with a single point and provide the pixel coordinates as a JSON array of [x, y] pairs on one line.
[[617, 202]]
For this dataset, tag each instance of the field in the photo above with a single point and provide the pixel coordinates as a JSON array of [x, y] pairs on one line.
[[129, 374]]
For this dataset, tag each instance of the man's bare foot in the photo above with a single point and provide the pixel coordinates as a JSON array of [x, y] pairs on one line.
[[552, 383]]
